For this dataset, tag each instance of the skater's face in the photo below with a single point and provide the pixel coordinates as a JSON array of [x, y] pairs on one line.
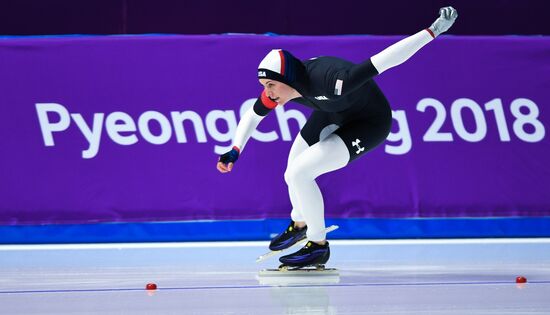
[[278, 91]]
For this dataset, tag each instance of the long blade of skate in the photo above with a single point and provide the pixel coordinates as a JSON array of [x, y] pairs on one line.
[[275, 252], [331, 272]]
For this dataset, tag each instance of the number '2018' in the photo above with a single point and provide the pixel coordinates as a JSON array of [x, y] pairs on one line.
[[480, 131]]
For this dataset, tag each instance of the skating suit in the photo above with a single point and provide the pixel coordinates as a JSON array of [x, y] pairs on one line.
[[344, 98]]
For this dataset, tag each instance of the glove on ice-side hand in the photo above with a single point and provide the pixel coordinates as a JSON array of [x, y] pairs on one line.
[[230, 157]]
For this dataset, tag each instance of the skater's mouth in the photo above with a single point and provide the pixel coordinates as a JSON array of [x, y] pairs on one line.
[[274, 99]]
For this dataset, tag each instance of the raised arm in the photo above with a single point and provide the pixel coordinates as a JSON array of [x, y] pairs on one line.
[[401, 51], [397, 53]]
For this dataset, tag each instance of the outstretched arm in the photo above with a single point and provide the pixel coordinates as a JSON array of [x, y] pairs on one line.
[[399, 52], [394, 55]]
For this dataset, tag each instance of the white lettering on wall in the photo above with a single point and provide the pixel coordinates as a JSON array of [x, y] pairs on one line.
[[157, 128]]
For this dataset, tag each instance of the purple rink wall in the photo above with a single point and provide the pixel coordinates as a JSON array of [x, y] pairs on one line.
[[125, 132]]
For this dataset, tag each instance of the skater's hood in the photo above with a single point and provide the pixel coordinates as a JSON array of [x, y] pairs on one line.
[[282, 66]]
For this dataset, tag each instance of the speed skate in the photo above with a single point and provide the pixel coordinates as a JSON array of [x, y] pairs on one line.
[[300, 271], [275, 252]]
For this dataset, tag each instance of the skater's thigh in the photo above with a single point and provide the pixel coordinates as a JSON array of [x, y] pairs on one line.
[[298, 146], [318, 126], [324, 156], [361, 136]]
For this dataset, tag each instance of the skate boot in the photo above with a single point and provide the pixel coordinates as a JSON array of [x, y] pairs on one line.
[[312, 254], [288, 238]]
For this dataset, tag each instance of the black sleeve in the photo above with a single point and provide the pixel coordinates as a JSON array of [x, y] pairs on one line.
[[264, 105], [260, 109], [358, 75], [344, 79]]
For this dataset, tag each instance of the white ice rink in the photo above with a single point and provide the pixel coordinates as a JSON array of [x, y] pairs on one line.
[[376, 277]]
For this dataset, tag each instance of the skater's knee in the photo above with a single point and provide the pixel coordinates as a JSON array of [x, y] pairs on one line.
[[290, 175], [303, 168], [294, 174]]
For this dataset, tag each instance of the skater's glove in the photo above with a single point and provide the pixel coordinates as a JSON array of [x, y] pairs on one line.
[[447, 16], [226, 161]]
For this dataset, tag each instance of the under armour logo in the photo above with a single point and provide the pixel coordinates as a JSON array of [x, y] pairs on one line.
[[356, 144]]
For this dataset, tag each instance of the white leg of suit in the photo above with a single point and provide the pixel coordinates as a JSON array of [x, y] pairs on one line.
[[325, 156], [299, 146]]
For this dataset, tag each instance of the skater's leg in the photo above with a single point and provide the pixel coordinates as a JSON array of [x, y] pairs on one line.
[[317, 127], [295, 231], [299, 146], [325, 156]]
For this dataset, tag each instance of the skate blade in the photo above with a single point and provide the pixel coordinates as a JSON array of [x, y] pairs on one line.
[[304, 276], [275, 252], [302, 272]]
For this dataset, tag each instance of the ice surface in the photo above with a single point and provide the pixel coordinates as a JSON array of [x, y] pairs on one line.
[[375, 277]]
